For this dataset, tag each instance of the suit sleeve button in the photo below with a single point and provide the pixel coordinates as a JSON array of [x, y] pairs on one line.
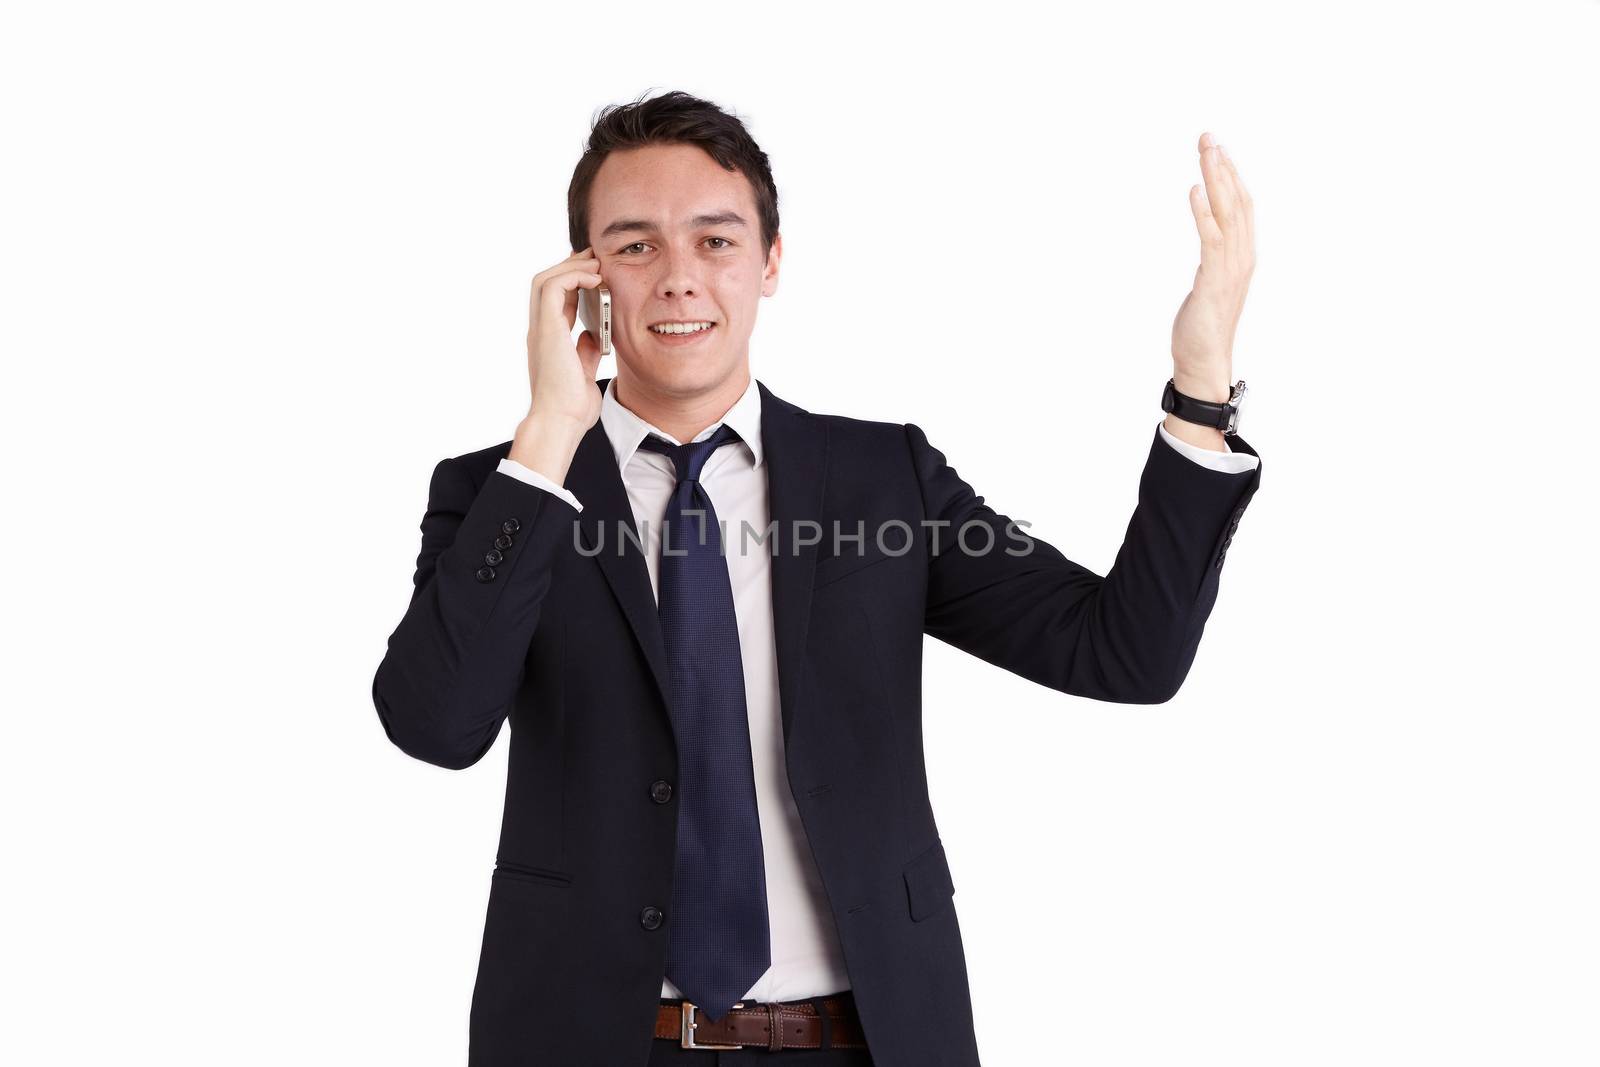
[[493, 558], [485, 574], [503, 541], [510, 526]]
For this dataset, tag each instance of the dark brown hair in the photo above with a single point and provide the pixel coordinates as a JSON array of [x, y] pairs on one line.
[[672, 118]]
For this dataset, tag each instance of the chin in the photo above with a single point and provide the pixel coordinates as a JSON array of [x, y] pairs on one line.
[[686, 374]]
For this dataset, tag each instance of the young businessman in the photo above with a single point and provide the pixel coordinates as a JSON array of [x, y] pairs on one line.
[[702, 608]]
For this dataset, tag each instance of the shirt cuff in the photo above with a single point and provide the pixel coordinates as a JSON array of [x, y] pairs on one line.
[[1228, 462], [534, 478]]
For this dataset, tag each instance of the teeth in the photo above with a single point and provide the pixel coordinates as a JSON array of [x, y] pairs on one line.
[[681, 327]]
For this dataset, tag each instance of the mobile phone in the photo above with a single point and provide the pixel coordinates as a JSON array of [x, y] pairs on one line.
[[594, 308]]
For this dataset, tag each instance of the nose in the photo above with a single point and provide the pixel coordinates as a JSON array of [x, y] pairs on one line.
[[675, 278]]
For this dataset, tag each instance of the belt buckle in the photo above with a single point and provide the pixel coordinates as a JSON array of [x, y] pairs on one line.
[[686, 1039]]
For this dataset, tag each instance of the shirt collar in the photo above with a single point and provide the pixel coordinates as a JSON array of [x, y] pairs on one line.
[[625, 429]]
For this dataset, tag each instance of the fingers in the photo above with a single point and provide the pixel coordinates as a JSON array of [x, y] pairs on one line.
[[1241, 194], [1245, 215], [553, 295], [581, 259], [1219, 185], [1226, 217], [1205, 222], [1239, 226], [558, 297]]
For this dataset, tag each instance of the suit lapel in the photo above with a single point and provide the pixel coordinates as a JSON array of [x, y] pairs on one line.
[[595, 480], [794, 448]]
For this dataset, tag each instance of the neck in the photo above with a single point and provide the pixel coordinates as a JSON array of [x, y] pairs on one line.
[[681, 415]]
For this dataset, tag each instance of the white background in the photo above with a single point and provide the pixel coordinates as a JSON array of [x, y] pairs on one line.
[[265, 264]]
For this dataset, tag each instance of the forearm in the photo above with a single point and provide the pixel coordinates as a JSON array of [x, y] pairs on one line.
[[1128, 637], [453, 664], [546, 445]]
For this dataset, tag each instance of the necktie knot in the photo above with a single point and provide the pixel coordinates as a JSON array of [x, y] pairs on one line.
[[688, 459]]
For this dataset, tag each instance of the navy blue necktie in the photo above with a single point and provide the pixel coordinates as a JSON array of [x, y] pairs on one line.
[[718, 941]]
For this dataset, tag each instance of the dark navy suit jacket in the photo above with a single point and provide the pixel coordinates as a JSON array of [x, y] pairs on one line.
[[564, 643]]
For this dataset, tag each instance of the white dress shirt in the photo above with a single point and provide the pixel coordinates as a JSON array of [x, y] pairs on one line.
[[807, 959]]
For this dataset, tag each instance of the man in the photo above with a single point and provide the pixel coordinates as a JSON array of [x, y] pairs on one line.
[[702, 608]]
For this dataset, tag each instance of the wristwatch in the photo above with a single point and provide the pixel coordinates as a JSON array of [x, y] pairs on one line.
[[1223, 416]]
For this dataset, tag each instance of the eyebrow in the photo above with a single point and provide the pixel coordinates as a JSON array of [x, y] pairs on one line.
[[719, 218]]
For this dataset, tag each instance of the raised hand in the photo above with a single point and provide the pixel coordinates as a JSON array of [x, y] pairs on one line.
[[561, 373], [1202, 332], [563, 401]]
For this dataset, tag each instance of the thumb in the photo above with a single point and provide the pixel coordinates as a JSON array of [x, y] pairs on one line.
[[589, 353]]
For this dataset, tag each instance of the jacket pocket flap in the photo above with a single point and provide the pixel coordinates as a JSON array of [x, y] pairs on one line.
[[928, 882], [520, 872], [830, 568]]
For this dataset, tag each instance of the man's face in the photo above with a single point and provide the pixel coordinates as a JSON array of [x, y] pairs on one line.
[[679, 241]]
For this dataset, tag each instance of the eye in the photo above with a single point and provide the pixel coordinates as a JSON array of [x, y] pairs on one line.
[[634, 245], [724, 240]]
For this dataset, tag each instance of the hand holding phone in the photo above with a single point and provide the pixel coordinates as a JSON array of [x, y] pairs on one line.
[[561, 369]]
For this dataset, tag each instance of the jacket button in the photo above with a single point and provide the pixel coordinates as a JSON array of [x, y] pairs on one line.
[[650, 917], [485, 574], [503, 541], [510, 526], [661, 791], [494, 557]]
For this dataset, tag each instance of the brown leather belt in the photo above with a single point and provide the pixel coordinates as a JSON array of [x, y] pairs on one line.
[[774, 1026]]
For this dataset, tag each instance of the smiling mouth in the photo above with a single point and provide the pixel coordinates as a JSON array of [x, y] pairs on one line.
[[682, 337], [683, 326]]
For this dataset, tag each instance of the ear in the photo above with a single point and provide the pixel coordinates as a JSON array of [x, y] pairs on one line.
[[769, 276]]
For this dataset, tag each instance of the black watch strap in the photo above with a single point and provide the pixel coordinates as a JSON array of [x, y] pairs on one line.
[[1222, 416]]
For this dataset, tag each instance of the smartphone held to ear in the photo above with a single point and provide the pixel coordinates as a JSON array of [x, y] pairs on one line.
[[594, 308]]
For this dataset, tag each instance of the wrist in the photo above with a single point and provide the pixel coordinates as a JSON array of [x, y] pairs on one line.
[[1194, 434], [546, 445], [1203, 385], [1198, 420]]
